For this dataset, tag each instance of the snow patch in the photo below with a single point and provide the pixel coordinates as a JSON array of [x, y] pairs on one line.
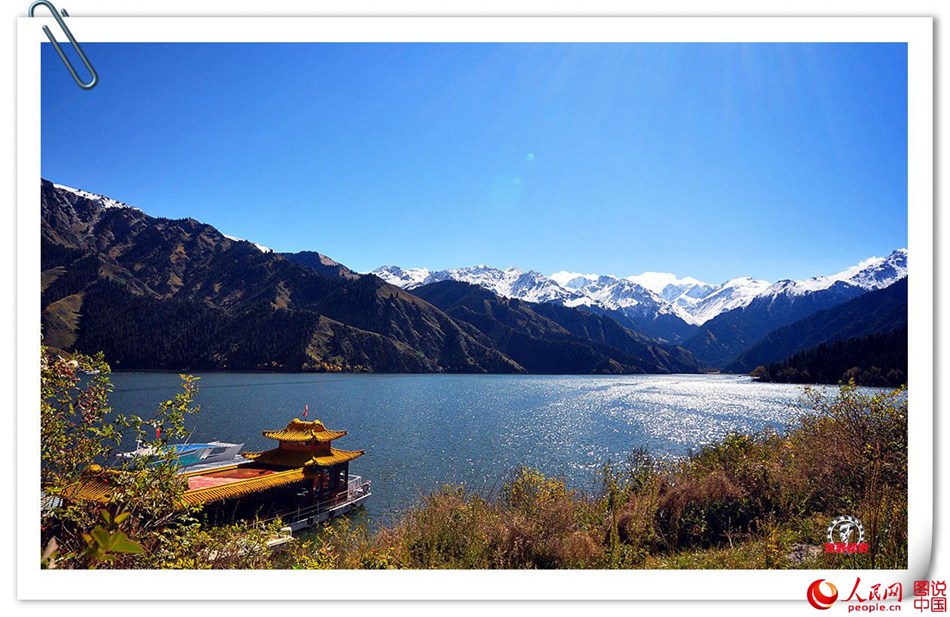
[[530, 286], [259, 247], [571, 279], [102, 200], [658, 281], [407, 278], [733, 294]]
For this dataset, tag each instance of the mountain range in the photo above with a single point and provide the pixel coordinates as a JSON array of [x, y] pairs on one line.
[[721, 340], [550, 338], [714, 322], [157, 293], [881, 310], [179, 294]]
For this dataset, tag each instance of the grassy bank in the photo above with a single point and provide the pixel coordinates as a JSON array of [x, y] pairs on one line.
[[760, 501]]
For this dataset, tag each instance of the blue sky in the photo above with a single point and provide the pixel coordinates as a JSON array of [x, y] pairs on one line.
[[713, 161]]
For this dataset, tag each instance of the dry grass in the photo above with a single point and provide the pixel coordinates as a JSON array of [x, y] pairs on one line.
[[746, 502], [61, 321]]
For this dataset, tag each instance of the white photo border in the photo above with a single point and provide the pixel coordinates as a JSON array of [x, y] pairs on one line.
[[34, 583]]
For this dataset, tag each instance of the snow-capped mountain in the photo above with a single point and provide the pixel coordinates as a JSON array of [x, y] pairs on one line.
[[682, 291], [870, 274], [511, 282], [723, 338], [690, 299], [878, 272], [572, 280], [732, 294], [654, 315], [617, 294], [568, 289], [651, 298], [407, 278]]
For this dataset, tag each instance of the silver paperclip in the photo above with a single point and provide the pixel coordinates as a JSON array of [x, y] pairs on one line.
[[59, 50]]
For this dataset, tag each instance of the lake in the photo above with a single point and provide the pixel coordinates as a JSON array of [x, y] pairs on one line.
[[420, 431]]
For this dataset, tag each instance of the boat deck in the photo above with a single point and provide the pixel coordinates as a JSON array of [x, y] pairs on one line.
[[237, 481], [224, 476]]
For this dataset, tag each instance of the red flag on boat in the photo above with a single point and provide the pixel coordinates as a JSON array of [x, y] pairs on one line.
[[306, 408]]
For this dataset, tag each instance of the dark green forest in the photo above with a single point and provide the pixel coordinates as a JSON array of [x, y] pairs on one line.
[[878, 359]]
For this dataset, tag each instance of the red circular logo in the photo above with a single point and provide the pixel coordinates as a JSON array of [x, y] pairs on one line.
[[817, 598]]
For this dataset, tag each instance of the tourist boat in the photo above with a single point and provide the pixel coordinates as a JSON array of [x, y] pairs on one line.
[[188, 456], [303, 481]]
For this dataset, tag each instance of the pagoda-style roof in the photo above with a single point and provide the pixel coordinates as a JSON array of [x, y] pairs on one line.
[[203, 487], [291, 458], [303, 431], [206, 488], [95, 485]]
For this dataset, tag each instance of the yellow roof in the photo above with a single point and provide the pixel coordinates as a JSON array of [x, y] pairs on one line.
[[94, 486], [243, 487], [97, 486], [303, 431], [286, 458]]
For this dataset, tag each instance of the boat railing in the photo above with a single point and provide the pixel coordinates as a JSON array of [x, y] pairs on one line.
[[356, 487]]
